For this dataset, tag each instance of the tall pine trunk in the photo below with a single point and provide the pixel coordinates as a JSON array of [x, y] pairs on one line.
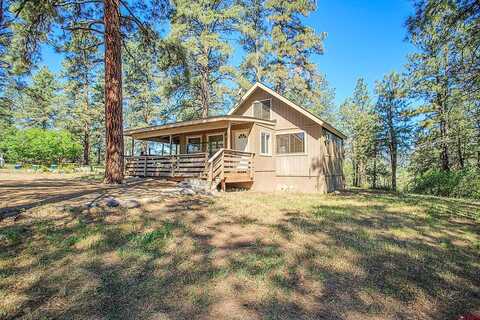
[[113, 94], [86, 145], [356, 180], [477, 144], [393, 165], [392, 145], [460, 156], [374, 180], [205, 94], [86, 109], [444, 154]]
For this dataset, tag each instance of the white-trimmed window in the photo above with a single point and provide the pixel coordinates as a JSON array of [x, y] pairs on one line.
[[265, 143], [261, 109], [288, 143], [194, 144]]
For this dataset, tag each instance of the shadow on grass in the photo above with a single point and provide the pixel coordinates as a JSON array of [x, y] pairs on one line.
[[423, 264], [61, 191], [189, 259]]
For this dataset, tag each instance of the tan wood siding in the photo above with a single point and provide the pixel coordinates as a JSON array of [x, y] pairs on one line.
[[319, 168]]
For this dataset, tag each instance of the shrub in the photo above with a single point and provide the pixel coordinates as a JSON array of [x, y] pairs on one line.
[[40, 146], [460, 184]]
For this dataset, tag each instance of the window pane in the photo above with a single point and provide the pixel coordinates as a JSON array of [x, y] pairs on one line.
[[218, 138], [297, 140], [261, 109], [265, 143], [291, 143], [266, 109], [194, 145], [257, 110], [262, 147], [282, 143], [215, 142], [194, 140]]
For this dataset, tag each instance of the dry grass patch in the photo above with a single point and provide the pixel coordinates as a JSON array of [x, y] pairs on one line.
[[245, 255]]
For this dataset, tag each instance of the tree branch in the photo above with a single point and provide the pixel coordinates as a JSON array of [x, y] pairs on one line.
[[73, 3], [134, 18], [84, 28]]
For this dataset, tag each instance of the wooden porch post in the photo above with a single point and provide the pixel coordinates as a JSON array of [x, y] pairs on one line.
[[170, 144], [133, 147], [229, 133]]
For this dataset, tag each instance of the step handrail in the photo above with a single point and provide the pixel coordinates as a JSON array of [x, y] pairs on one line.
[[216, 155]]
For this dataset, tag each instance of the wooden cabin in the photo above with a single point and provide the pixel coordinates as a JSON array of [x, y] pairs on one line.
[[265, 143]]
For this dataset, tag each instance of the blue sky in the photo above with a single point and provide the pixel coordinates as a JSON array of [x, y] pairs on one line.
[[365, 39]]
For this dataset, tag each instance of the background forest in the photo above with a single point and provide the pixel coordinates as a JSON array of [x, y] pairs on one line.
[[418, 130]]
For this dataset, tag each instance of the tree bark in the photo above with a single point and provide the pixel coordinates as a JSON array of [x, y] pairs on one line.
[[393, 145], [461, 159], [444, 155], [393, 163], [355, 173], [205, 94], [86, 145], [374, 180], [113, 94], [477, 145], [99, 155]]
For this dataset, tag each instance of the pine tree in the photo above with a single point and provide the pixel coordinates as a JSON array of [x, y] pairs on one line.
[[143, 80], [454, 24], [292, 46], [5, 38], [9, 101], [319, 99], [40, 101], [43, 21], [391, 109], [79, 68], [202, 28], [473, 113], [445, 72], [98, 125], [432, 69], [254, 30], [360, 124], [278, 51]]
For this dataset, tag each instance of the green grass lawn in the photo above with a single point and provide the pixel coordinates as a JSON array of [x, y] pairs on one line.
[[245, 255]]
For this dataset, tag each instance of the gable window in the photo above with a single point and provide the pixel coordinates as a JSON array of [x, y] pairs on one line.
[[261, 109], [290, 143], [265, 142]]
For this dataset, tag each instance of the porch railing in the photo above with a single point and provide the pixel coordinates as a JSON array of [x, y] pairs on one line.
[[230, 166], [223, 167], [180, 165]]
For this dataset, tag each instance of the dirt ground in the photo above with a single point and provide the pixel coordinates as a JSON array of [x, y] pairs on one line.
[[21, 191], [237, 255]]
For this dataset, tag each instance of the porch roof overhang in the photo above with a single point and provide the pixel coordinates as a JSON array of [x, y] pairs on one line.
[[210, 123]]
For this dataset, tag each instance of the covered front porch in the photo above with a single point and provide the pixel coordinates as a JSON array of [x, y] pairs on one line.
[[215, 149]]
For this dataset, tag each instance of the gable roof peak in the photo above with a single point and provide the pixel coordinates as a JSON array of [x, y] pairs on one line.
[[291, 104]]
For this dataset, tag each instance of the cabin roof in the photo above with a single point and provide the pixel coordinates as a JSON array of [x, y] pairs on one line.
[[298, 108], [219, 121], [193, 125]]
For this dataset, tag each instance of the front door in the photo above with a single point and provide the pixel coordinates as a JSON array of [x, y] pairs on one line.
[[240, 140]]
